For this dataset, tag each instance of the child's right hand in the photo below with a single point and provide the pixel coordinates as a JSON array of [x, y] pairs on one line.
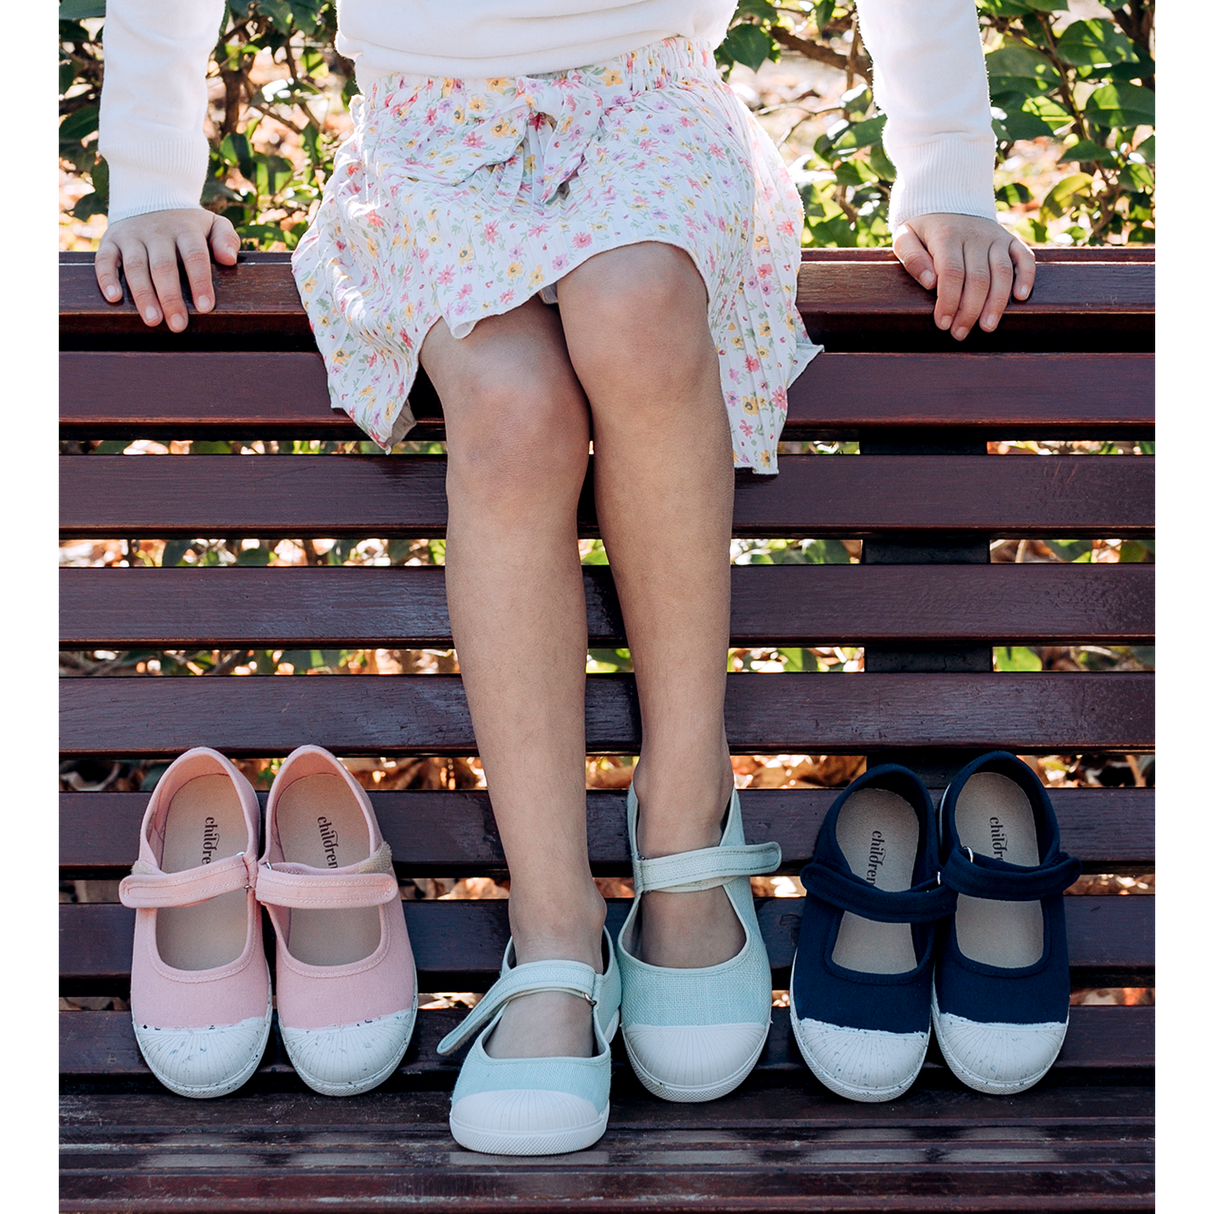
[[147, 248]]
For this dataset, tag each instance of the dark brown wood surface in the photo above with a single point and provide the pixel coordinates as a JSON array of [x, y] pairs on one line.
[[785, 713], [134, 394], [444, 833], [462, 941], [771, 604], [814, 495], [1060, 1146], [849, 304]]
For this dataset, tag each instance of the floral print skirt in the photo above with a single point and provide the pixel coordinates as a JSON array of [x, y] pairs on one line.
[[462, 198]]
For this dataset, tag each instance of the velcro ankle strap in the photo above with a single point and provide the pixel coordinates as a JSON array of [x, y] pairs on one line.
[[304, 888], [979, 876], [571, 977], [923, 903], [687, 871], [149, 887]]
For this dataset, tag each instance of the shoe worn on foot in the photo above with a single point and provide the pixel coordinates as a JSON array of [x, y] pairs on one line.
[[346, 983], [861, 985], [1002, 990], [535, 1106], [200, 986], [695, 1034]]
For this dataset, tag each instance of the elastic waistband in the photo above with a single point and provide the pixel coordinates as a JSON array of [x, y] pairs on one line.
[[648, 67]]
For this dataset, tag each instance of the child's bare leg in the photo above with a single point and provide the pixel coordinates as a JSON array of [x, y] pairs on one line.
[[636, 325], [517, 437]]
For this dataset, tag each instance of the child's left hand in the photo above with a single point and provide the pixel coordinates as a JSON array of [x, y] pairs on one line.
[[973, 264]]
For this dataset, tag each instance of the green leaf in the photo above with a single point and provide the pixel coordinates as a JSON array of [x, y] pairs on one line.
[[1048, 6], [67, 75], [1126, 105], [1146, 149], [1071, 550], [1048, 110], [1017, 123], [1018, 657], [852, 136], [1094, 44], [824, 13], [1136, 177], [253, 556], [1134, 552], [174, 553], [80, 10], [799, 661], [750, 45], [856, 102], [77, 127], [881, 163], [1003, 8], [1060, 199], [763, 9], [1085, 149], [1014, 194], [1016, 67]]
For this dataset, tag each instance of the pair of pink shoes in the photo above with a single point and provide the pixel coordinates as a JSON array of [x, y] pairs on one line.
[[200, 985]]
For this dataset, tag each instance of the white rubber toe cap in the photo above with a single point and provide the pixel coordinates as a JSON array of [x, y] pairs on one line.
[[526, 1122], [997, 1058], [861, 1064], [693, 1062], [350, 1058], [204, 1062]]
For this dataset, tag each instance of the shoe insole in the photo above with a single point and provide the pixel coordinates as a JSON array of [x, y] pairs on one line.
[[204, 822], [321, 824], [994, 818], [878, 833]]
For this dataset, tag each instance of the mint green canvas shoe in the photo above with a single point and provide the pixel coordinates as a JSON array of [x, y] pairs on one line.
[[695, 1034], [535, 1106]]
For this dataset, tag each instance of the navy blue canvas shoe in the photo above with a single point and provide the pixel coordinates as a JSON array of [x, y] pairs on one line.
[[1002, 986], [861, 982]]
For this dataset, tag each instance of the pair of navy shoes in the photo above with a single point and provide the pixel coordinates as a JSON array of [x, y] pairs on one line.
[[911, 925]]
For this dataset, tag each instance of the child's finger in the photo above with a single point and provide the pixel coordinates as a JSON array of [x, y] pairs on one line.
[[951, 268], [974, 293], [915, 259], [162, 259], [197, 261], [135, 266], [1001, 286], [1026, 268], [105, 266], [224, 240]]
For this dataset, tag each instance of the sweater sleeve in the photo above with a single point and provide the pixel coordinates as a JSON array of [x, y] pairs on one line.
[[929, 78], [153, 102]]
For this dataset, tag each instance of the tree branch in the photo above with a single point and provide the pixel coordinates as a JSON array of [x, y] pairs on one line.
[[818, 53]]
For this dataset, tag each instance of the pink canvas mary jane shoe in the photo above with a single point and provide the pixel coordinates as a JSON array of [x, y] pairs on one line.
[[346, 983], [200, 987]]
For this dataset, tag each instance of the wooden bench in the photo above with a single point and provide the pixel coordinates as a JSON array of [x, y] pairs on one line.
[[926, 603]]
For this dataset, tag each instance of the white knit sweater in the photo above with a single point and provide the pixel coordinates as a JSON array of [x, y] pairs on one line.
[[930, 78]]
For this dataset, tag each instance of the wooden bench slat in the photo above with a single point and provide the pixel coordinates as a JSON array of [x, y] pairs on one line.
[[453, 833], [785, 713], [106, 394], [814, 495], [103, 1044], [771, 604], [849, 304], [463, 941]]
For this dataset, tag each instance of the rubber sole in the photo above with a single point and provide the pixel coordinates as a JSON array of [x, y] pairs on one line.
[[836, 1085], [991, 1087], [326, 1088], [528, 1142], [699, 1093], [226, 1087]]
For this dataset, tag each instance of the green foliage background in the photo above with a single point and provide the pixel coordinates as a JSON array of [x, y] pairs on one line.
[[1086, 84]]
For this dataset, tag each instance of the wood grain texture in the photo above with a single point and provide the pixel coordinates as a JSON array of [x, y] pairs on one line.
[[450, 833], [463, 941], [264, 495], [859, 302], [785, 714], [771, 604], [131, 394], [1064, 1145]]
